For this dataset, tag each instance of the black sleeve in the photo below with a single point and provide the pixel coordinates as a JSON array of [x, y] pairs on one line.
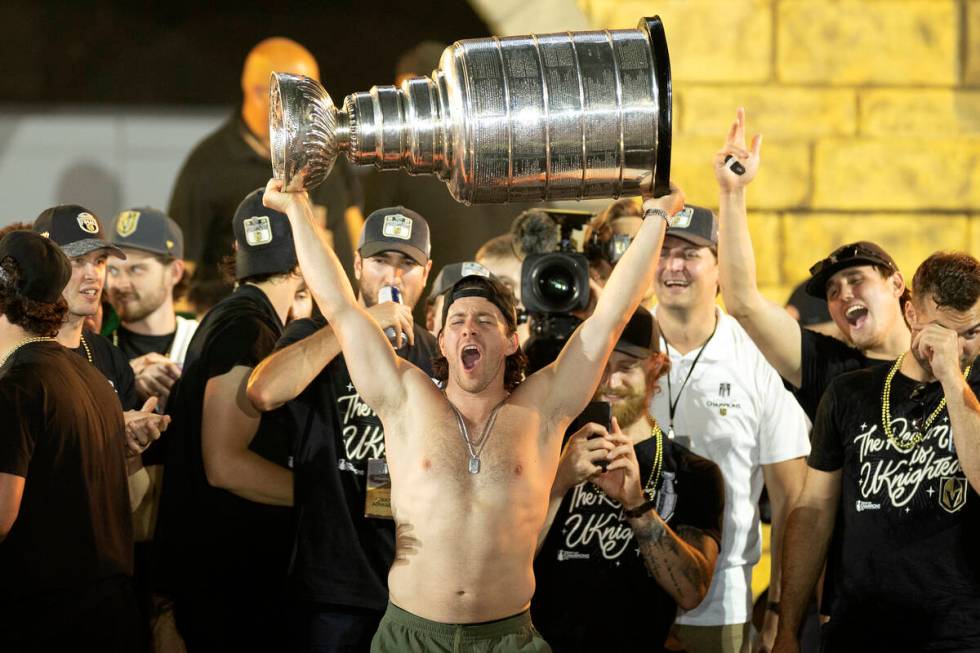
[[16, 437], [244, 341], [298, 330], [191, 207], [822, 358], [703, 502], [826, 443], [125, 380]]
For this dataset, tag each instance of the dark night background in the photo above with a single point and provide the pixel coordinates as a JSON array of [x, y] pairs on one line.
[[184, 53]]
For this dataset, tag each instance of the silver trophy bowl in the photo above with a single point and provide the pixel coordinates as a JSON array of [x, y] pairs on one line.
[[572, 115]]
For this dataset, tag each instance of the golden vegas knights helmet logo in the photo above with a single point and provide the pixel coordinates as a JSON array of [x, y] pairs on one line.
[[126, 223], [952, 493]]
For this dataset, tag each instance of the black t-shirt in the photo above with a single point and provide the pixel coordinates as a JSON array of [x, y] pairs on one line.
[[114, 366], [134, 345], [218, 174], [209, 539], [823, 358], [905, 558], [594, 592], [340, 556], [63, 432]]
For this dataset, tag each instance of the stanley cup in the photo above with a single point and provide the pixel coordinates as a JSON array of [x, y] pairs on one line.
[[571, 115]]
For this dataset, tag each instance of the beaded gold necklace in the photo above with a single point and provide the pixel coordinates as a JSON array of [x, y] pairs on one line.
[[88, 352], [25, 341], [886, 412], [658, 462]]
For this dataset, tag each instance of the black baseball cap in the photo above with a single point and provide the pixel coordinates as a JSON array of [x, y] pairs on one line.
[[453, 272], [641, 337], [396, 229], [42, 268], [812, 310], [75, 229], [149, 230], [863, 252], [488, 288], [264, 238], [696, 225]]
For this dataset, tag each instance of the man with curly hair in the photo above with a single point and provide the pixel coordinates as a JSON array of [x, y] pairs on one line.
[[472, 462], [890, 498], [66, 543]]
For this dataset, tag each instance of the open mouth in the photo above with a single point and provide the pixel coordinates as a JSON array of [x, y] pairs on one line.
[[676, 283], [856, 315], [90, 292], [470, 356]]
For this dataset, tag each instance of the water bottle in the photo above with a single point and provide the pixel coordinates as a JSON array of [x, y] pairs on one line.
[[390, 294]]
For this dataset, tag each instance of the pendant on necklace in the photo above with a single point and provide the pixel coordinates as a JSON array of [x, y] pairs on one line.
[[474, 465], [670, 433]]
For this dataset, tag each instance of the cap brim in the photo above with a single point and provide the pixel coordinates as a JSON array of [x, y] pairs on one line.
[[691, 238], [635, 351], [86, 245], [378, 246], [817, 285]]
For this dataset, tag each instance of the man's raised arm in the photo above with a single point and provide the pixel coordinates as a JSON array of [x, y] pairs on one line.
[[774, 331], [579, 366], [371, 361]]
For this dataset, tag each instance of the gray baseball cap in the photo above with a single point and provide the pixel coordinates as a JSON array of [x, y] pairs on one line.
[[149, 230], [396, 229]]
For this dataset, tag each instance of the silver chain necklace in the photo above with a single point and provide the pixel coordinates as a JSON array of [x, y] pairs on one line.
[[476, 448]]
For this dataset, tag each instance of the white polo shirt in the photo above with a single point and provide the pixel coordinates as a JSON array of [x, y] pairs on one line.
[[734, 411]]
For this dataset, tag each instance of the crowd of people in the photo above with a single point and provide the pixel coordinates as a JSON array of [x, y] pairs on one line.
[[226, 428]]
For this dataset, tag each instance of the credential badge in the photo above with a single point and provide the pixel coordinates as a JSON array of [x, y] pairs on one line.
[[258, 230], [952, 493], [126, 223], [88, 223], [397, 226]]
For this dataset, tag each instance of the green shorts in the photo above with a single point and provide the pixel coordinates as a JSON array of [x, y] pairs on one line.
[[404, 632]]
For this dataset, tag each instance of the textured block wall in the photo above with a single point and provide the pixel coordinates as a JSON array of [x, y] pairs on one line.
[[870, 109]]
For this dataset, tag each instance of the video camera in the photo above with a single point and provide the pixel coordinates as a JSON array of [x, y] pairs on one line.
[[554, 279]]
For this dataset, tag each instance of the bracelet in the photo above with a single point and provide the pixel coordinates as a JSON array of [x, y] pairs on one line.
[[641, 509], [658, 212], [773, 606]]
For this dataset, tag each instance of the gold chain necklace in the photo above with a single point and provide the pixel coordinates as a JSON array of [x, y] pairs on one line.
[[886, 411], [25, 341], [88, 352]]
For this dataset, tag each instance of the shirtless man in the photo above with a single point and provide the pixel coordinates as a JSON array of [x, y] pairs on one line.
[[471, 467]]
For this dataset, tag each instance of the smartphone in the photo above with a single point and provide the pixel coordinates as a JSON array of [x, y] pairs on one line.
[[599, 412]]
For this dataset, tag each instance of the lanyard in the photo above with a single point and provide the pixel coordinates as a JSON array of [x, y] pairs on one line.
[[671, 401]]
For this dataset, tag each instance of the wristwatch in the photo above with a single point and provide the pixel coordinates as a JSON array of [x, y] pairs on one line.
[[658, 212]]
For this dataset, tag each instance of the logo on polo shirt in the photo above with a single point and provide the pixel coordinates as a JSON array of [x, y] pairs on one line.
[[258, 230], [126, 223], [724, 389], [397, 225], [87, 223]]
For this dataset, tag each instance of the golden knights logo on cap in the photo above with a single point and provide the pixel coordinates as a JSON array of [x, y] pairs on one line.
[[88, 223], [258, 230], [397, 226], [126, 223], [682, 219]]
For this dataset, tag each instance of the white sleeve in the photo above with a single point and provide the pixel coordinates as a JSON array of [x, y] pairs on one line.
[[784, 429]]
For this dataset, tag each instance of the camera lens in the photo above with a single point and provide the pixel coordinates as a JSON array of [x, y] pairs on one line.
[[556, 284]]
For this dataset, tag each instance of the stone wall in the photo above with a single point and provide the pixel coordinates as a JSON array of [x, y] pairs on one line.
[[870, 109]]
